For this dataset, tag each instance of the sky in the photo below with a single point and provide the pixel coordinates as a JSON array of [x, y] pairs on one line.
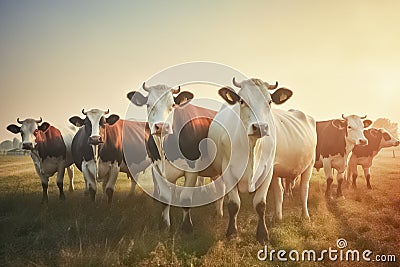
[[57, 57]]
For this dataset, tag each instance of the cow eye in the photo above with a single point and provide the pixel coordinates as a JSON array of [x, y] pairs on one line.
[[35, 132], [349, 127], [270, 102], [241, 102]]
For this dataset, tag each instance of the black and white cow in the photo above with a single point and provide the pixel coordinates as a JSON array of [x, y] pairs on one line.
[[50, 150], [97, 149]]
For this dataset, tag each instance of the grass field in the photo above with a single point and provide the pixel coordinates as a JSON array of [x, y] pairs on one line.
[[80, 233]]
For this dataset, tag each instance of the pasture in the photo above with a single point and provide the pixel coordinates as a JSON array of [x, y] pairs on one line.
[[77, 232]]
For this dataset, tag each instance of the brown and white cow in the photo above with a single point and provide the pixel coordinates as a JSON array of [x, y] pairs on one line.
[[97, 149], [335, 140], [177, 128], [50, 150], [364, 155]]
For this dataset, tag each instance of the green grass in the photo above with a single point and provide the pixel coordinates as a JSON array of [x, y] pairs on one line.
[[80, 233]]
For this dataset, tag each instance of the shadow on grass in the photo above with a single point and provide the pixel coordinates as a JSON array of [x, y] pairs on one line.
[[81, 233]]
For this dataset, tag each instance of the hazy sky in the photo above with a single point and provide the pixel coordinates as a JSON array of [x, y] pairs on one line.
[[57, 57]]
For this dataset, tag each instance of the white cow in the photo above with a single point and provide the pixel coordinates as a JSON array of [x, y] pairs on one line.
[[245, 136]]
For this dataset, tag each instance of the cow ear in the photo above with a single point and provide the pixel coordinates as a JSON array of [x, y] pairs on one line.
[[137, 98], [183, 98], [75, 120], [229, 95], [367, 123], [14, 128], [340, 124], [44, 126], [112, 119], [281, 95], [373, 132]]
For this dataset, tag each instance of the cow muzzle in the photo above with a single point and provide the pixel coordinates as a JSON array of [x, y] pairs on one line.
[[95, 140], [397, 143], [258, 130], [362, 142], [162, 129], [27, 146]]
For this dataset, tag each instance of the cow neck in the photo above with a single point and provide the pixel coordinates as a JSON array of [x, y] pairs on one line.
[[37, 159]]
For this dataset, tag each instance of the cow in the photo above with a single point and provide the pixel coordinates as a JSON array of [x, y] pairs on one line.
[[256, 146], [363, 155], [97, 149], [177, 128], [50, 149], [335, 140]]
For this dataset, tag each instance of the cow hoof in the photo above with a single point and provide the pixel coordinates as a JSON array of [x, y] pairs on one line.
[[231, 233], [340, 197], [109, 193], [187, 227], [71, 189], [369, 187], [45, 200], [163, 226], [262, 235], [92, 194], [62, 197]]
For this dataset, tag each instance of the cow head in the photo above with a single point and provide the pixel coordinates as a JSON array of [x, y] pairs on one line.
[[255, 102], [95, 124], [29, 130], [354, 126], [160, 103], [386, 139]]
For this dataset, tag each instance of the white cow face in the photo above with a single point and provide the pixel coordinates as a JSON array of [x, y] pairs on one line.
[[95, 124], [29, 130], [354, 128], [255, 102], [387, 139], [160, 104]]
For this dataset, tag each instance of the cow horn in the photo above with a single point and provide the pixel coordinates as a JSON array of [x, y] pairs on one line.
[[344, 117], [108, 111], [20, 122], [145, 87], [176, 91], [363, 117], [235, 83], [83, 112], [40, 120], [272, 87]]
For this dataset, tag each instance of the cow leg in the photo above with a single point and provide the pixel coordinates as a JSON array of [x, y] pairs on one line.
[[60, 181], [157, 189], [354, 181], [186, 200], [165, 222], [219, 203], [133, 184], [304, 186], [70, 171], [367, 175], [45, 186], [276, 186], [233, 209], [329, 177], [259, 204], [339, 177], [91, 184], [112, 180]]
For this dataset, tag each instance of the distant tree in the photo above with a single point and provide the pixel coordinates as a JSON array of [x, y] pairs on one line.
[[392, 127]]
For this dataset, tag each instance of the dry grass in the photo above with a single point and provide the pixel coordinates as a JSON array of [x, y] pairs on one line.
[[79, 233]]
